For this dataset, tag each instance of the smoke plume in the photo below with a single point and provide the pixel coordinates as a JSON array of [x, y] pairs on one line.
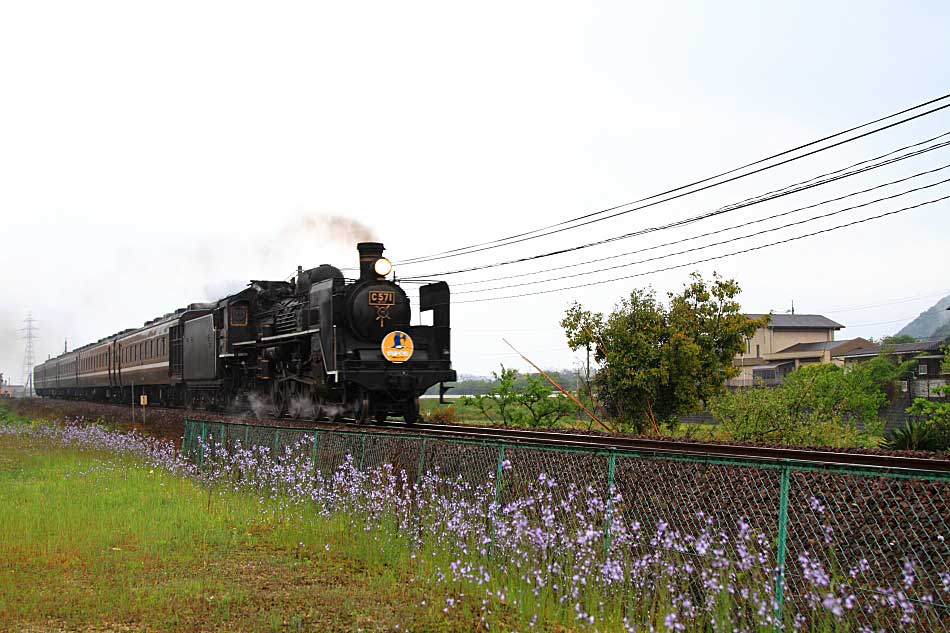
[[221, 289], [337, 228]]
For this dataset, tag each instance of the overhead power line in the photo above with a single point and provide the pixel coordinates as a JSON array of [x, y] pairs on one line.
[[883, 322], [813, 182], [941, 293], [691, 187], [711, 244], [717, 231], [713, 258]]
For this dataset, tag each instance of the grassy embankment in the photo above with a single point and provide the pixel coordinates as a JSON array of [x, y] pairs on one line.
[[97, 540], [94, 540]]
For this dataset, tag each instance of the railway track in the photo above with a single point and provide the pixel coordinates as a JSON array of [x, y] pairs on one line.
[[586, 441], [653, 447]]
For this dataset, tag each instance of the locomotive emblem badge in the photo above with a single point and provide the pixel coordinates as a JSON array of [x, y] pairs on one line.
[[397, 347], [382, 300]]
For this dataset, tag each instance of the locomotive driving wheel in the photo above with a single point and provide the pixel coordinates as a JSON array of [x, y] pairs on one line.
[[364, 410], [280, 398], [411, 415]]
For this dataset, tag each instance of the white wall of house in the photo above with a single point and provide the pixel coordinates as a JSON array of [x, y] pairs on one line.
[[769, 341]]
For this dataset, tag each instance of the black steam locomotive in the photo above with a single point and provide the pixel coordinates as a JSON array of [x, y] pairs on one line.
[[318, 346]]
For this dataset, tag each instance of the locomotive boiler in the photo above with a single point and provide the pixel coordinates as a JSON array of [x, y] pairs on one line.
[[319, 346]]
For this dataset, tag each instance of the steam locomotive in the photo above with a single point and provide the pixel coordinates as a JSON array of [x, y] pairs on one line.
[[317, 346]]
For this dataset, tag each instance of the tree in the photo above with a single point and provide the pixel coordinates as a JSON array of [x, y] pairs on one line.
[[657, 363], [898, 338]]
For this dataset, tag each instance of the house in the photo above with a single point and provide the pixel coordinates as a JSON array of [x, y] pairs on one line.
[[928, 356], [785, 344]]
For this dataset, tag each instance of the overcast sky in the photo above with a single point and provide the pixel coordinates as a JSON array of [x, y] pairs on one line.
[[155, 154]]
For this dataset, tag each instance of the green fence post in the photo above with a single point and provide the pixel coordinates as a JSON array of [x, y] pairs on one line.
[[247, 436], [782, 542], [499, 472], [422, 461], [186, 439], [608, 515], [222, 438], [201, 449], [313, 451], [362, 450], [499, 469], [276, 446]]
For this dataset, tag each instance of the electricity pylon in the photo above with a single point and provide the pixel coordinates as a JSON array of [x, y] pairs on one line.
[[29, 354]]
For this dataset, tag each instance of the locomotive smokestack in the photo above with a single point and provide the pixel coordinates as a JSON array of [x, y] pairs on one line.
[[370, 253]]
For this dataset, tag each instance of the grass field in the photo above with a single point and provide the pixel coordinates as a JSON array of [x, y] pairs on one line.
[[91, 541]]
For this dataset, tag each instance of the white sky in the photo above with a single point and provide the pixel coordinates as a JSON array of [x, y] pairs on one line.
[[153, 154]]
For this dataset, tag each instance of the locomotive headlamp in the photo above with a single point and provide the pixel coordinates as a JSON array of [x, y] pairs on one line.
[[383, 266]]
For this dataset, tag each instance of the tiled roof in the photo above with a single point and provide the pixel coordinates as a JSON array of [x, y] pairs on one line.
[[894, 348], [799, 321], [814, 347]]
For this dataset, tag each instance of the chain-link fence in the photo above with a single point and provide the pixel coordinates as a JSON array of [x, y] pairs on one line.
[[845, 518]]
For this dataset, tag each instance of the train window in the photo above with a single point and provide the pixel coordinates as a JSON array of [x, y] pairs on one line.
[[239, 315]]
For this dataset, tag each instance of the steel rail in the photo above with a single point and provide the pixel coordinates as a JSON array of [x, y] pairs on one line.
[[775, 455], [654, 447]]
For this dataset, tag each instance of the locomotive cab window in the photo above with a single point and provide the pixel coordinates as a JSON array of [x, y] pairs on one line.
[[238, 315]]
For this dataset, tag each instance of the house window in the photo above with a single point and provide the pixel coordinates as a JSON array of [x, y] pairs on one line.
[[757, 355], [922, 369]]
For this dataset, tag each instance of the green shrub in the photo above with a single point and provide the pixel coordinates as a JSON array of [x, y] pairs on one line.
[[535, 404], [915, 436]]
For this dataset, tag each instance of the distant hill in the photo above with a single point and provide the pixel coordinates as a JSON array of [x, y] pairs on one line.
[[943, 331], [934, 322]]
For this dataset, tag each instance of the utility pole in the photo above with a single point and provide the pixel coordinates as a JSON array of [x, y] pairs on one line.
[[30, 333]]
